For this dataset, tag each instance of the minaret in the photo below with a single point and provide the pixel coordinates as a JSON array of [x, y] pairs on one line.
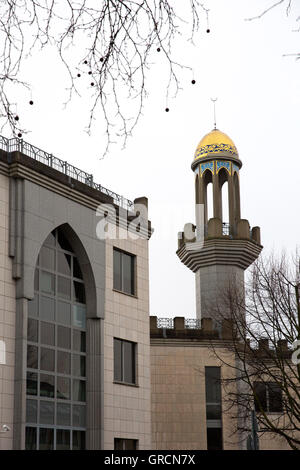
[[229, 246]]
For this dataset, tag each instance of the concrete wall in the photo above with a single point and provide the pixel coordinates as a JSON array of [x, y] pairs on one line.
[[7, 320], [127, 408]]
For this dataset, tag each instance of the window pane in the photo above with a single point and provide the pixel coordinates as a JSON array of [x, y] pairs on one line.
[[31, 383], [30, 439], [63, 388], [213, 384], [78, 440], [33, 307], [46, 439], [130, 444], [214, 439], [128, 361], [128, 273], [275, 397], [32, 357], [47, 282], [213, 411], [78, 365], [79, 292], [63, 242], [63, 313], [36, 279], [63, 263], [32, 330], [78, 390], [79, 340], [47, 258], [47, 386], [63, 414], [63, 337], [117, 270], [47, 359], [260, 396], [63, 287], [78, 416], [79, 314], [47, 333], [117, 360], [50, 240], [76, 269], [47, 308], [63, 362], [62, 439], [31, 411], [46, 412]]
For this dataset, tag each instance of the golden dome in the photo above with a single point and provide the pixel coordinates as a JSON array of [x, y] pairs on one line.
[[215, 142]]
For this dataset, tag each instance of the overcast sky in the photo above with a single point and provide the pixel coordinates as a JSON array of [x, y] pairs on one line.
[[243, 64]]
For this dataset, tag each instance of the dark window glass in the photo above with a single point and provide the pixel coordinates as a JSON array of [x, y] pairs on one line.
[[47, 258], [47, 359], [213, 411], [63, 388], [63, 337], [79, 416], [78, 365], [47, 308], [79, 292], [78, 390], [129, 363], [64, 263], [213, 384], [78, 440], [125, 444], [47, 282], [46, 412], [79, 340], [33, 307], [48, 333], [32, 357], [46, 439], [62, 439], [31, 383], [63, 362], [64, 287], [63, 313], [31, 411], [79, 316], [30, 438], [275, 397], [47, 385], [117, 360], [32, 330], [260, 396], [63, 242], [36, 279], [214, 439], [63, 414], [76, 269], [117, 270]]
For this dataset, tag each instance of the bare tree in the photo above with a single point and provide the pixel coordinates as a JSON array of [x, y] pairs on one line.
[[109, 41], [265, 326]]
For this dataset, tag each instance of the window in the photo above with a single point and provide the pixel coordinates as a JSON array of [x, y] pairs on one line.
[[124, 361], [268, 397], [213, 408], [124, 272], [56, 351], [125, 444]]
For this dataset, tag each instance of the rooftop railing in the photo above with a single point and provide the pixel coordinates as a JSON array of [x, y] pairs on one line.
[[19, 145], [189, 323]]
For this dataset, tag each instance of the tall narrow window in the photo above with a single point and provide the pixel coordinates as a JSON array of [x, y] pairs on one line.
[[124, 272], [268, 397], [56, 354], [213, 408], [124, 361]]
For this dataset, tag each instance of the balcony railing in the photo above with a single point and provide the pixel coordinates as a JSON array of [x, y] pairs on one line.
[[19, 145], [189, 323]]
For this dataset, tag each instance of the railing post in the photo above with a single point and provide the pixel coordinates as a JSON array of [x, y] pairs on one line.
[[51, 160]]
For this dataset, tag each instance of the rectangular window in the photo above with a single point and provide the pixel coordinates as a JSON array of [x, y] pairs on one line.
[[213, 408], [267, 397], [124, 272], [125, 444], [124, 361]]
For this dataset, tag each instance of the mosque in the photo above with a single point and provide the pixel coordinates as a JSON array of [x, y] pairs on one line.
[[81, 365]]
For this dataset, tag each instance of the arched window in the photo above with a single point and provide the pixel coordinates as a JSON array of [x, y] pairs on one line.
[[209, 204], [56, 350], [223, 181]]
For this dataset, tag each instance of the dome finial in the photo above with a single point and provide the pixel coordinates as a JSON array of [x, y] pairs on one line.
[[215, 119]]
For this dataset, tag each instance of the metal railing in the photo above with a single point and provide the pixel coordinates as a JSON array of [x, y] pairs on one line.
[[225, 228], [189, 323], [19, 145]]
